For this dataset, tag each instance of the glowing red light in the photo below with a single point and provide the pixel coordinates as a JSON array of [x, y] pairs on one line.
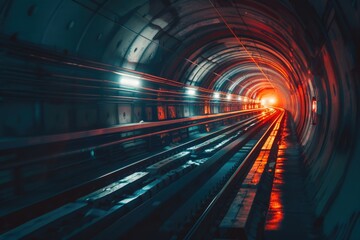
[[314, 105]]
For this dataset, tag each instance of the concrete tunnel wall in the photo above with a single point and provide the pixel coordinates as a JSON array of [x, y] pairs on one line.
[[309, 49]]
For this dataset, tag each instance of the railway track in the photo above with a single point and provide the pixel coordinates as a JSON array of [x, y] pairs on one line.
[[31, 176], [237, 210], [162, 194]]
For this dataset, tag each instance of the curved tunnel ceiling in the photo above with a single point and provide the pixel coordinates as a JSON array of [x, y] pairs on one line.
[[221, 45], [237, 48], [230, 48]]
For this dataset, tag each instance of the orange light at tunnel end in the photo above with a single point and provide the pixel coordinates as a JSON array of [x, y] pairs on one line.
[[269, 101], [272, 100]]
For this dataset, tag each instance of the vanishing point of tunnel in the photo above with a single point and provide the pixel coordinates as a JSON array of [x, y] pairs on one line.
[[180, 119]]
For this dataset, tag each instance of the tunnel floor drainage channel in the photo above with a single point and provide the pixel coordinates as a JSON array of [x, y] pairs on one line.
[[290, 214]]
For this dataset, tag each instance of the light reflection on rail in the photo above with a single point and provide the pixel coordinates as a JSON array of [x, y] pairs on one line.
[[276, 211]]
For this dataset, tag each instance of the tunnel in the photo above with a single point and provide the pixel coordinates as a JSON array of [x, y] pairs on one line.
[[80, 76]]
